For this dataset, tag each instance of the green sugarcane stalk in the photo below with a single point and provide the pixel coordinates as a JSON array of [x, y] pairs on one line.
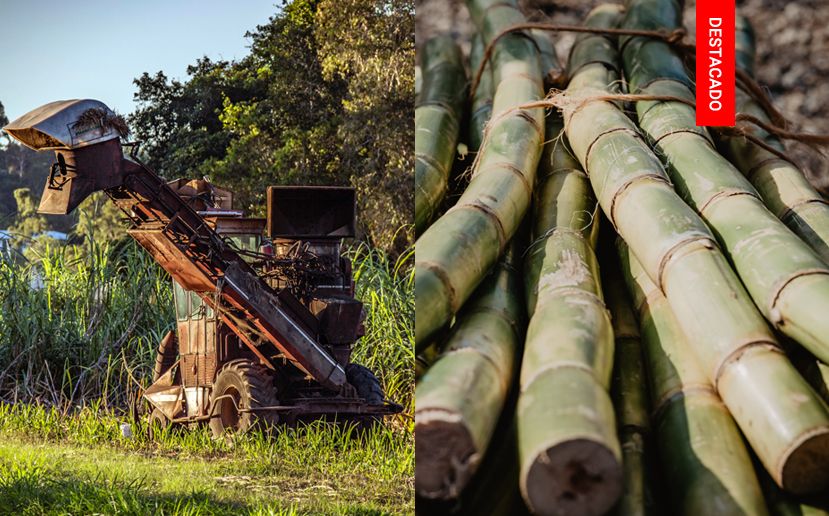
[[813, 370], [630, 399], [482, 101], [550, 66], [706, 466], [734, 345], [461, 396], [418, 83], [456, 252], [782, 185], [783, 275], [568, 449], [437, 121]]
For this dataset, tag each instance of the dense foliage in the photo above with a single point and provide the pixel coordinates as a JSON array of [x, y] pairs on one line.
[[324, 97]]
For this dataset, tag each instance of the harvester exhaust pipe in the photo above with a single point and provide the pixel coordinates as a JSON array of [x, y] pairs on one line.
[[85, 135]]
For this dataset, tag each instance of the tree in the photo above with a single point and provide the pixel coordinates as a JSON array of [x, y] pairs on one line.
[[99, 220], [311, 104], [370, 44], [28, 222], [4, 120]]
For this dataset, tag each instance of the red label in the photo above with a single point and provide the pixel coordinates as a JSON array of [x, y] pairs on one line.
[[715, 62]]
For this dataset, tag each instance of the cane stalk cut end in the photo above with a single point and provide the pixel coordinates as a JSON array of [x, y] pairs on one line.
[[446, 455], [579, 476], [804, 470]]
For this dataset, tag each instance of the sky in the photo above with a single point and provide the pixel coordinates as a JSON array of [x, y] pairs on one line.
[[62, 49]]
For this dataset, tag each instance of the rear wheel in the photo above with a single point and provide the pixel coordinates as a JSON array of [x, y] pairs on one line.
[[157, 422], [366, 383], [241, 384]]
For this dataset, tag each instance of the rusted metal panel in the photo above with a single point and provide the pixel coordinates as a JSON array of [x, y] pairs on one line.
[[77, 173], [198, 336], [183, 328], [58, 125], [166, 394], [167, 355], [210, 335], [198, 370], [171, 258], [201, 194]]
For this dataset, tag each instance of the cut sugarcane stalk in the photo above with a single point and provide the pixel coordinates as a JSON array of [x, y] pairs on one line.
[[781, 503], [783, 275], [781, 184], [456, 252], [461, 396], [437, 119], [707, 467], [630, 399], [569, 452], [784, 420], [494, 491]]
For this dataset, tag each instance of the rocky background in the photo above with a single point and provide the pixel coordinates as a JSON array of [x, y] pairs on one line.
[[792, 55]]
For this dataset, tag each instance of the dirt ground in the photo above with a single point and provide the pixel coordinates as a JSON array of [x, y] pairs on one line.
[[792, 54]]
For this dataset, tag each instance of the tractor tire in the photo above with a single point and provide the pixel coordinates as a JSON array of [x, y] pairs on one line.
[[245, 384], [156, 423], [366, 383]]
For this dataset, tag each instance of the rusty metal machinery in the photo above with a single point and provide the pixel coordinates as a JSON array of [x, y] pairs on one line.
[[268, 322]]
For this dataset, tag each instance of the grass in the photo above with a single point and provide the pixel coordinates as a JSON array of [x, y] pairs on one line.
[[386, 288], [76, 352], [80, 463]]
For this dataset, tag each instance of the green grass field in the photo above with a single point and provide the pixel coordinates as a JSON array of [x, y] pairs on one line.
[[81, 464], [75, 354]]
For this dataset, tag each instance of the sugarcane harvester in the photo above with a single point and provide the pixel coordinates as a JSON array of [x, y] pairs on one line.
[[265, 326]]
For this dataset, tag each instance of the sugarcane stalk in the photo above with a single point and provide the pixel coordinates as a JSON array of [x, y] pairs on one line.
[[706, 466], [461, 396], [456, 252], [630, 399], [813, 370], [781, 503], [783, 275], [731, 339], [418, 83], [437, 119], [494, 491], [568, 449], [482, 101], [550, 66], [782, 185], [426, 358]]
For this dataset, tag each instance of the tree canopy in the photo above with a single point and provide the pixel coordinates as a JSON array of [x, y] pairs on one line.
[[325, 96]]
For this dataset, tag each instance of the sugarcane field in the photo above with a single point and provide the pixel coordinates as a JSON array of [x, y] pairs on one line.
[[621, 257]]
